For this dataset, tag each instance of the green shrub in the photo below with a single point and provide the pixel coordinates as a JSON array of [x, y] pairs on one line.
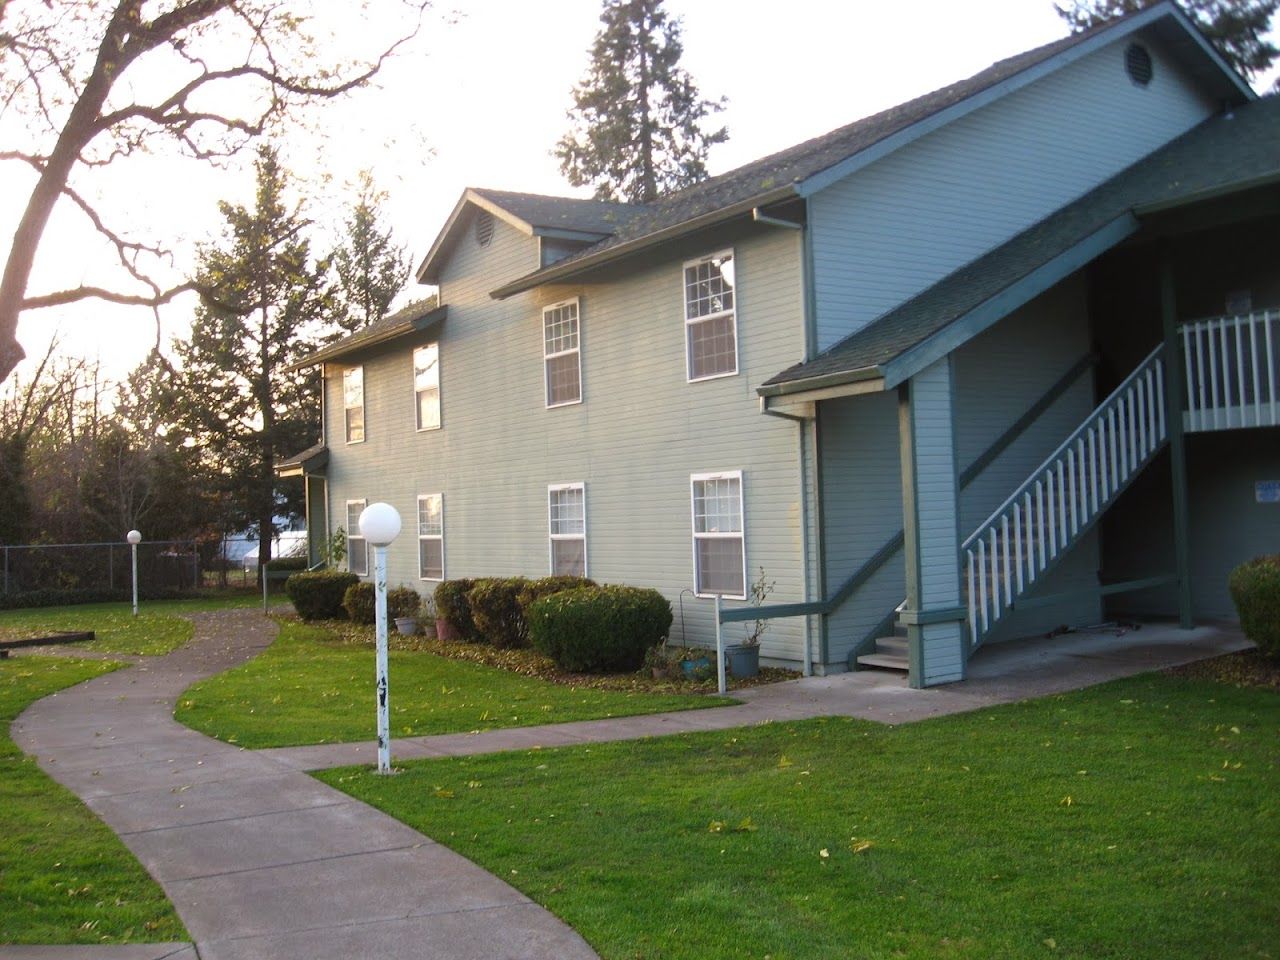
[[495, 609], [287, 563], [535, 590], [1255, 589], [403, 602], [358, 601], [453, 608], [319, 595], [599, 629]]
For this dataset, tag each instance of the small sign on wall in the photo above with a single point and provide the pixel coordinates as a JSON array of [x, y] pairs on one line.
[[1267, 491]]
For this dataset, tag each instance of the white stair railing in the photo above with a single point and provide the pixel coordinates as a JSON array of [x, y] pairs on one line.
[[1059, 501], [1232, 367]]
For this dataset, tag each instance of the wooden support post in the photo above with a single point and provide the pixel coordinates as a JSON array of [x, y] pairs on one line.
[[1174, 385], [934, 614]]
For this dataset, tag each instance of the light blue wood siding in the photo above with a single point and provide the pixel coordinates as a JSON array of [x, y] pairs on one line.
[[999, 375], [861, 510], [639, 433], [899, 225]]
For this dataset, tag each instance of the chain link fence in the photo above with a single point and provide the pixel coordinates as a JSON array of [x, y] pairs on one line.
[[229, 563]]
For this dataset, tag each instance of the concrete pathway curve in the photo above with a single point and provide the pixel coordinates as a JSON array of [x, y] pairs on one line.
[[260, 860]]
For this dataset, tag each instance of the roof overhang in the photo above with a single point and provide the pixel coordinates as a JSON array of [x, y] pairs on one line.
[[570, 269], [357, 344], [429, 270], [311, 461]]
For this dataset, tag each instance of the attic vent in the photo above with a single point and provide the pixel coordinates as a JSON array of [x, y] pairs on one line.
[[1137, 63], [484, 228]]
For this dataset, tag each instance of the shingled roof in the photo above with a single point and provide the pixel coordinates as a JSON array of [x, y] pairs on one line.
[[791, 172], [416, 316], [1225, 153], [563, 213]]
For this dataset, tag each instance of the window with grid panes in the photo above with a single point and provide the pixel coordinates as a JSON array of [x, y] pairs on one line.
[[357, 548], [353, 403], [567, 524], [719, 550], [426, 386], [561, 354], [431, 536], [711, 331]]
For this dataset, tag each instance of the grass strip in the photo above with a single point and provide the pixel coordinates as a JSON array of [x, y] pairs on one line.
[[315, 686], [65, 878]]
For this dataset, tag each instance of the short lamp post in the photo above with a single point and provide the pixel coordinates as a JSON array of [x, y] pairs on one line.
[[134, 538], [379, 525]]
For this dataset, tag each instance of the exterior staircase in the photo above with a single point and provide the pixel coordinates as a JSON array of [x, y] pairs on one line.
[[1027, 535]]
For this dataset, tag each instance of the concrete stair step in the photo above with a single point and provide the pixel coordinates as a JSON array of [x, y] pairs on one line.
[[885, 661], [895, 645]]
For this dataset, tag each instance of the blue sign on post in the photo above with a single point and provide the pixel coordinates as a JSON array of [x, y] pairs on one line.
[[1267, 491]]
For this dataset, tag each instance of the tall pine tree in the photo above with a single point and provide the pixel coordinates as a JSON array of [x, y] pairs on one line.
[[266, 303], [638, 119], [371, 268], [1238, 28]]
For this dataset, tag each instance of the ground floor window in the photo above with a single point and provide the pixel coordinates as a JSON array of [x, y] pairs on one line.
[[719, 549], [431, 536], [357, 548], [567, 524]]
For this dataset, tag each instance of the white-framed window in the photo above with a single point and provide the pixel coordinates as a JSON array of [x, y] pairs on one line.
[[431, 536], [567, 528], [719, 548], [710, 321], [561, 353], [357, 547], [353, 403], [426, 386]]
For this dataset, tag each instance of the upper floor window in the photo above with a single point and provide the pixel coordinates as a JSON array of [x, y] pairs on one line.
[[719, 550], [431, 536], [567, 524], [353, 403], [426, 386], [561, 354], [710, 324], [357, 546]]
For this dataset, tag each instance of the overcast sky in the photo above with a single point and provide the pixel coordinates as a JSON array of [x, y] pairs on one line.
[[481, 100]]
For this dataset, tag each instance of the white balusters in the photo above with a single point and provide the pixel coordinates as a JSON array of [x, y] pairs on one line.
[[1231, 366]]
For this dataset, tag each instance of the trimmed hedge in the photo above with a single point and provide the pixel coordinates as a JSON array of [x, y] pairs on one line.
[[535, 590], [1255, 590], [495, 610], [280, 564], [453, 607], [403, 602], [319, 595], [599, 629], [358, 601]]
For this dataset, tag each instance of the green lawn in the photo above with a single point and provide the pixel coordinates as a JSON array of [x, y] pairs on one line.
[[312, 686], [64, 877], [159, 627], [1140, 819]]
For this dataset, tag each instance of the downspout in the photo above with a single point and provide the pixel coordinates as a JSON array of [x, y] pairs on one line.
[[803, 424]]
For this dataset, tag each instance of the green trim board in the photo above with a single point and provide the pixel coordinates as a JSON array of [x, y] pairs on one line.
[[1174, 401], [1104, 590]]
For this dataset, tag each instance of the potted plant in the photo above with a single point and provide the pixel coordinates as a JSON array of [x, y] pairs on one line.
[[402, 606], [743, 659], [657, 661], [428, 618]]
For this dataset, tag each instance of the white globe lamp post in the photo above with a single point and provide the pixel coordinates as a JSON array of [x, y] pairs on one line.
[[134, 538], [379, 525]]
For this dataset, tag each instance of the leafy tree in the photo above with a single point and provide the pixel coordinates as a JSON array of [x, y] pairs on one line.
[[371, 268], [638, 117], [99, 83], [1237, 28], [265, 303]]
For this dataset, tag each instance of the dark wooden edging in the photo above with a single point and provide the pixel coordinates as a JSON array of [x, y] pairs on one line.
[[74, 637]]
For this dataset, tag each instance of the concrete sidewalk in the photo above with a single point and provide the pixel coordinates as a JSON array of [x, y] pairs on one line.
[[260, 860], [1002, 673]]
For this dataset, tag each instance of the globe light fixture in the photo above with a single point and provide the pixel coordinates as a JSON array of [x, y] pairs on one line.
[[134, 538], [380, 524]]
